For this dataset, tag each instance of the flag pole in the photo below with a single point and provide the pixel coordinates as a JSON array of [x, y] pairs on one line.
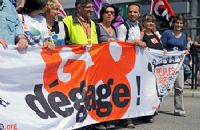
[[151, 10]]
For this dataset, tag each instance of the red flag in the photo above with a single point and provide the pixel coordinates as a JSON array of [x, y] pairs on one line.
[[162, 9]]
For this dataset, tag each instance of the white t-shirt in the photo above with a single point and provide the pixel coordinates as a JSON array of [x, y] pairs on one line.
[[35, 28], [134, 33]]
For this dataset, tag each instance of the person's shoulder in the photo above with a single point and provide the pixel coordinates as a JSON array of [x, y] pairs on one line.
[[167, 32], [122, 26], [40, 17], [93, 22], [67, 17], [24, 16], [19, 15], [184, 34]]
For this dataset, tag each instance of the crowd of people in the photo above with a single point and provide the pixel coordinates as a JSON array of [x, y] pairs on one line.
[[35, 23]]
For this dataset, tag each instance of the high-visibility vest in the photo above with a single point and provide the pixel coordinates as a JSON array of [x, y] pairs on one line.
[[77, 34]]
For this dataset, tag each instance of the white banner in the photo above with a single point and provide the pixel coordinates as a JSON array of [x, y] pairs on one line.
[[75, 86]]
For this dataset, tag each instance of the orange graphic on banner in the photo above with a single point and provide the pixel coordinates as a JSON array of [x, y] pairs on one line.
[[97, 73]]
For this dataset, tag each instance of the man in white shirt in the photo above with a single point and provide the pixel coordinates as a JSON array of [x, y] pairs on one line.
[[130, 31]]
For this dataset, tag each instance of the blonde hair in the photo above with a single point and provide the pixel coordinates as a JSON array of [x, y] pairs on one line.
[[149, 18], [50, 4]]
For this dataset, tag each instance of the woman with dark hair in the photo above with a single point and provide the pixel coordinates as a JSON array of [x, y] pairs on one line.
[[175, 40], [31, 6], [150, 36], [34, 24], [105, 31]]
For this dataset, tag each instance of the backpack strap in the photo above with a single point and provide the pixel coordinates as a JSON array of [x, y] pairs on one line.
[[61, 27], [127, 30], [114, 29], [140, 27], [97, 29]]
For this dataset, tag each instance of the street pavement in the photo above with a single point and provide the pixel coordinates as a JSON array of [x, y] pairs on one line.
[[165, 120]]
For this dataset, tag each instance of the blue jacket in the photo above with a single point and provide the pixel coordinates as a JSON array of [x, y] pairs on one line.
[[13, 2], [170, 42], [10, 25]]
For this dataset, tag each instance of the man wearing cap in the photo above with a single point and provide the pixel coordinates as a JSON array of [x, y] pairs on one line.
[[80, 29]]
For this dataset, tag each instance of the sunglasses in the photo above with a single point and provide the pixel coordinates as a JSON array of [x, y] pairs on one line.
[[112, 12]]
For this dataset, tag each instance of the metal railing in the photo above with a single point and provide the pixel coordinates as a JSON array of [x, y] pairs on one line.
[[195, 52]]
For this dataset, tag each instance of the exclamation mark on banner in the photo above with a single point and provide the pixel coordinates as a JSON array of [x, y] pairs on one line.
[[138, 88]]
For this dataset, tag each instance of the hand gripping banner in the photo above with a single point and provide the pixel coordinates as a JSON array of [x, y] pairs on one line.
[[75, 86]]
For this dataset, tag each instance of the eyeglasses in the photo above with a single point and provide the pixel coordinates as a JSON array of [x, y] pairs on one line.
[[112, 12]]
